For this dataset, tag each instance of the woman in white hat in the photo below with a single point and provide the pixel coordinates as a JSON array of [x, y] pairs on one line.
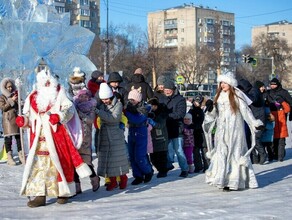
[[230, 166]]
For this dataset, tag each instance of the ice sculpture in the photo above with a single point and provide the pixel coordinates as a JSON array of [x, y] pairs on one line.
[[31, 30]]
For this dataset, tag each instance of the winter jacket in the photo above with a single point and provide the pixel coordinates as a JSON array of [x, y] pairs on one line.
[[188, 136], [93, 86], [281, 129], [138, 82], [258, 104], [176, 105], [159, 131], [112, 154], [9, 109]]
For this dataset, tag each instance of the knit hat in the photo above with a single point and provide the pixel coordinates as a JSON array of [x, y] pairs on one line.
[[138, 71], [114, 77], [259, 84], [96, 73], [161, 80], [77, 72], [169, 84], [199, 98], [135, 95], [228, 78], [189, 116], [105, 92], [84, 92], [275, 81]]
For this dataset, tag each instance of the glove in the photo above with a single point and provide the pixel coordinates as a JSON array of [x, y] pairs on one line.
[[19, 121], [122, 126], [54, 119], [209, 105], [260, 128], [151, 122], [290, 116]]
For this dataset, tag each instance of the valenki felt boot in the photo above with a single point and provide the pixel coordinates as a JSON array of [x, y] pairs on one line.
[[37, 202], [10, 160], [123, 181], [113, 184]]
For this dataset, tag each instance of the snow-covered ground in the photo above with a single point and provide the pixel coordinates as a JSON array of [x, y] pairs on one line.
[[167, 198]]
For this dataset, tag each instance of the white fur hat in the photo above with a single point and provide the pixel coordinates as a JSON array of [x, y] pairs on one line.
[[77, 72], [105, 92], [227, 77]]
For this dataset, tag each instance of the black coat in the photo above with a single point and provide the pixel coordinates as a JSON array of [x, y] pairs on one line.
[[159, 131], [254, 94], [138, 82], [177, 107]]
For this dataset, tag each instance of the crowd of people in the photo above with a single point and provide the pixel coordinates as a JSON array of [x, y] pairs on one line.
[[243, 125]]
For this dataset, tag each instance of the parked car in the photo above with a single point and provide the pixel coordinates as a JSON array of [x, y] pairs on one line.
[[192, 93]]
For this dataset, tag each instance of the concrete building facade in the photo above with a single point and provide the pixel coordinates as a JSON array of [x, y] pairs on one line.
[[194, 25], [85, 13]]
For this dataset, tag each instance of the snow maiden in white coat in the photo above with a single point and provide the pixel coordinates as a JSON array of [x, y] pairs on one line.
[[230, 166], [52, 158]]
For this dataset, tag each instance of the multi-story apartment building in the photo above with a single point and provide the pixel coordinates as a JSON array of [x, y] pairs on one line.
[[282, 29], [194, 25], [85, 13]]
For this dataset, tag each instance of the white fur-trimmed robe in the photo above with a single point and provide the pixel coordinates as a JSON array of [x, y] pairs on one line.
[[230, 163], [65, 109]]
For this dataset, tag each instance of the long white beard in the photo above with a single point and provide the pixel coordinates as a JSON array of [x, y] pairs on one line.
[[46, 96]]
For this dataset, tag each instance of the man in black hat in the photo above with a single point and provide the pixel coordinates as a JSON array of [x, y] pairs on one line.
[[278, 99], [176, 104]]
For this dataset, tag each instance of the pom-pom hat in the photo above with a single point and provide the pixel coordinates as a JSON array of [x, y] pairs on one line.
[[135, 95], [105, 92], [228, 78]]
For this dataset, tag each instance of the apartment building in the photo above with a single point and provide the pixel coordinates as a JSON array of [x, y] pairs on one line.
[[194, 25], [282, 29], [85, 13]]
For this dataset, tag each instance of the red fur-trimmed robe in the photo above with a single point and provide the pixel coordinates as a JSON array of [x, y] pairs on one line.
[[62, 151]]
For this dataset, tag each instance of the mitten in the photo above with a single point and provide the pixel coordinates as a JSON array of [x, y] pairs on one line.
[[151, 122], [19, 121], [122, 125], [209, 105], [54, 119]]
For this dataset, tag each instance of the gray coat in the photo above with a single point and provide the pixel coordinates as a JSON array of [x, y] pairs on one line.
[[9, 109], [112, 153]]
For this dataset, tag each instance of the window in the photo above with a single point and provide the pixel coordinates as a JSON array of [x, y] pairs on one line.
[[209, 21], [182, 30], [84, 2], [84, 12]]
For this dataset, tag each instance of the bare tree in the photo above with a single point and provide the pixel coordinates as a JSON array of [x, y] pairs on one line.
[[193, 64], [273, 47]]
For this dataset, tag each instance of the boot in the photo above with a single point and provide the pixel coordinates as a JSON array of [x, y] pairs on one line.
[[37, 202], [78, 188], [62, 200], [21, 157], [113, 184], [137, 181], [191, 168], [95, 183], [148, 177], [123, 182], [10, 160]]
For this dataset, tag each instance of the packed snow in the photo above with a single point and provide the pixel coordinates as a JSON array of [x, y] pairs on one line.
[[172, 197]]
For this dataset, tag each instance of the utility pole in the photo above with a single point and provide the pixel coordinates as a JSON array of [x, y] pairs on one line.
[[106, 69]]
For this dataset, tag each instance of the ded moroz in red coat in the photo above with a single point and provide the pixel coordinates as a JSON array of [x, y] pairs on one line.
[[62, 150]]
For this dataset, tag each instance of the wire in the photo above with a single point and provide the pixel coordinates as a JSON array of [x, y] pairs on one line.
[[268, 13]]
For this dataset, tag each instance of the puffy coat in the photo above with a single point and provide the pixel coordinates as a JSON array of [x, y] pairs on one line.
[[9, 109], [281, 129]]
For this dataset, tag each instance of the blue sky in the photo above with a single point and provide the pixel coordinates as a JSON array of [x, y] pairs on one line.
[[247, 13]]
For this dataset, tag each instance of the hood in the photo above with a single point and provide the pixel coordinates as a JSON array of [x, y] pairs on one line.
[[137, 78], [4, 91], [114, 77]]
